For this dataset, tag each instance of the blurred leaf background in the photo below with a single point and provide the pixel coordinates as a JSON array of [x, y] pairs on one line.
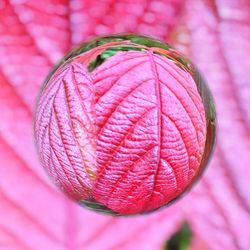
[[34, 35]]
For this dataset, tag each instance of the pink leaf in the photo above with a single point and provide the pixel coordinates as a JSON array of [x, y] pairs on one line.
[[65, 130], [144, 141]]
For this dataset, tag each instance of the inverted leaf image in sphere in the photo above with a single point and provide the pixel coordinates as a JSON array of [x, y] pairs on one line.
[[124, 124]]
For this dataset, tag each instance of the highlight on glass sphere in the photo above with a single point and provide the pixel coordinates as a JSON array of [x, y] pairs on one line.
[[124, 124]]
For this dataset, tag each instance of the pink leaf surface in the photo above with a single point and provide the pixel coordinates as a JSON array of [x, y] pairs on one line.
[[82, 136], [161, 116], [60, 140], [33, 35]]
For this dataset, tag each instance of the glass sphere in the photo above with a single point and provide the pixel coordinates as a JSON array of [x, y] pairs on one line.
[[124, 124]]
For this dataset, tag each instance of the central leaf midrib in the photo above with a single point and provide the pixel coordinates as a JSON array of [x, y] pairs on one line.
[[159, 115]]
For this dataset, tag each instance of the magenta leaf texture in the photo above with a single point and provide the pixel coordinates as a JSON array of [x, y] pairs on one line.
[[130, 133], [145, 140], [35, 34]]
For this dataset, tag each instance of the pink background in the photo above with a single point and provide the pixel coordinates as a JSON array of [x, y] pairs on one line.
[[36, 34]]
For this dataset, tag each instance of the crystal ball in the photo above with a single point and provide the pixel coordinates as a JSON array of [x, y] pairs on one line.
[[124, 124]]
